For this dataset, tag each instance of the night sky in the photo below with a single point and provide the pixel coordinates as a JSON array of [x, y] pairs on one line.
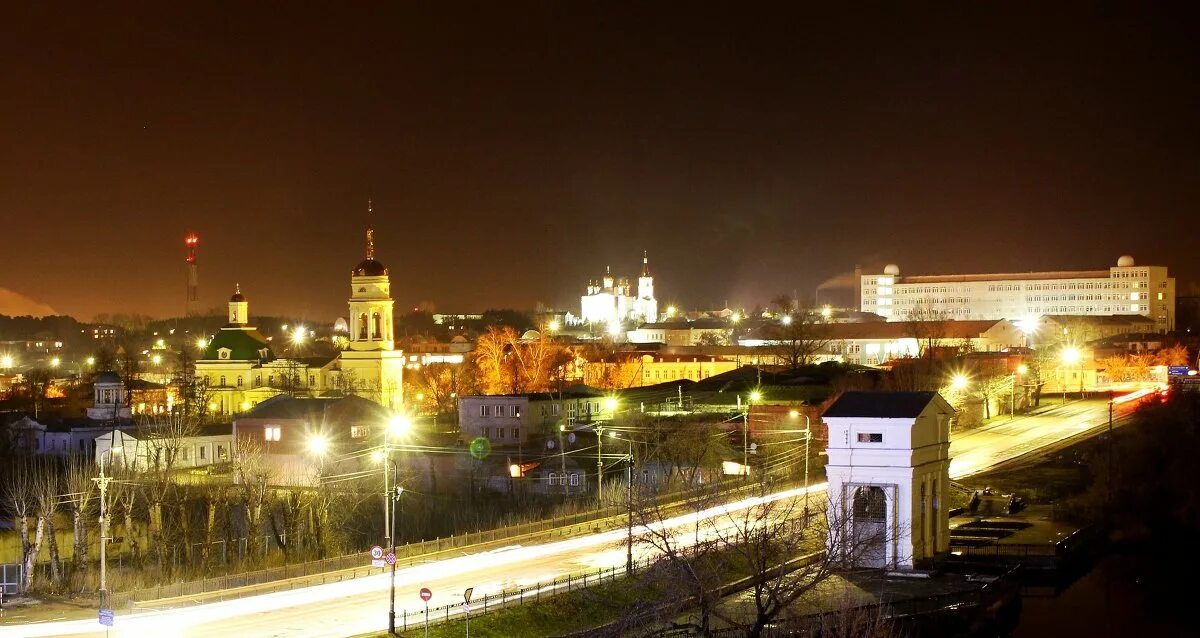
[[512, 150]]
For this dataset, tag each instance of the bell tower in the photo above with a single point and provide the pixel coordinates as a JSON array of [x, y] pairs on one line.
[[371, 325], [371, 366]]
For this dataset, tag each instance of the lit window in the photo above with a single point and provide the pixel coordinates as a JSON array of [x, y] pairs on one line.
[[358, 431], [271, 433], [870, 437]]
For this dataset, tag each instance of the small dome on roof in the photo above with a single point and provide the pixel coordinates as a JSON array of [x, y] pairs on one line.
[[1125, 261], [108, 377], [459, 339], [369, 268], [891, 269], [531, 335], [237, 297]]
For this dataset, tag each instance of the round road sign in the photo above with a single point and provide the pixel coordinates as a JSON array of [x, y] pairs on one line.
[[390, 558], [426, 594], [376, 552]]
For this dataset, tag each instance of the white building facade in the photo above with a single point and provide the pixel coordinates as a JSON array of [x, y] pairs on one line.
[[612, 301], [888, 476], [1123, 289]]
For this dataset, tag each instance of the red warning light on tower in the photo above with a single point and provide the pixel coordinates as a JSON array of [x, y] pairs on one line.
[[191, 241]]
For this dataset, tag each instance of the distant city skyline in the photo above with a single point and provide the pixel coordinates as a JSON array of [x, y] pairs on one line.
[[512, 153]]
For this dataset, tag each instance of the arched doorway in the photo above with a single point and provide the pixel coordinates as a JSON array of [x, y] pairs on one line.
[[869, 525]]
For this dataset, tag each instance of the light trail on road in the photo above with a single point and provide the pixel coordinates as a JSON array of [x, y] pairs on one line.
[[359, 606]]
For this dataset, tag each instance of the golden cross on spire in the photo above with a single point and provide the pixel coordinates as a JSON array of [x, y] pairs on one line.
[[370, 231]]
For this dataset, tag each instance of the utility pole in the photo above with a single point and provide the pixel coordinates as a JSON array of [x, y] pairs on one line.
[[392, 593], [600, 465], [629, 513]]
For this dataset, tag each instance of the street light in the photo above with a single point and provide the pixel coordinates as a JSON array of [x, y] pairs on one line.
[[299, 335], [91, 361], [628, 506], [318, 444], [6, 361], [755, 395], [807, 442], [786, 320], [398, 425], [959, 382], [553, 325], [54, 362]]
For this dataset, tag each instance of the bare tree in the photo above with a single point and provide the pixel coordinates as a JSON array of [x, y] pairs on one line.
[[799, 334], [46, 496], [927, 326], [252, 474], [163, 438], [79, 498], [20, 498]]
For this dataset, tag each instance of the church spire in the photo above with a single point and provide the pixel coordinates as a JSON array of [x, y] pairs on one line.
[[645, 264], [370, 231]]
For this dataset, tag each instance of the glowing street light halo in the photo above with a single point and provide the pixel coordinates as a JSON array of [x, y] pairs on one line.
[[318, 444], [399, 425]]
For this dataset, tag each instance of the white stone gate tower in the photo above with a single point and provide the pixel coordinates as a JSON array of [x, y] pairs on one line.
[[888, 476]]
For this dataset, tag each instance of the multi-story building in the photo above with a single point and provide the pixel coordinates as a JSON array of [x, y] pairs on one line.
[[1122, 289], [512, 420]]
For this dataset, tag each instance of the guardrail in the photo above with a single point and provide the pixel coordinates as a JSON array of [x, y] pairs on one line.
[[325, 570]]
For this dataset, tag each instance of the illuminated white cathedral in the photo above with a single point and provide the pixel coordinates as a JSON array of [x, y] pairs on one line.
[[612, 300]]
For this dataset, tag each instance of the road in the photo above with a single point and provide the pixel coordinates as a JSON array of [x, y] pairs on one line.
[[360, 606]]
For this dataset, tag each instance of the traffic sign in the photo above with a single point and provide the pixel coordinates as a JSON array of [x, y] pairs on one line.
[[390, 559], [467, 608], [426, 594], [106, 617], [467, 594], [376, 552]]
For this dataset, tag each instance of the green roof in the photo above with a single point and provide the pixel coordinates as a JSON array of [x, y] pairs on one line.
[[245, 344]]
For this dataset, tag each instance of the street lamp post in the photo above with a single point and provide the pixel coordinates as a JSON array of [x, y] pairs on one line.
[[392, 588], [754, 396], [102, 483], [398, 425], [807, 443], [600, 465], [628, 507]]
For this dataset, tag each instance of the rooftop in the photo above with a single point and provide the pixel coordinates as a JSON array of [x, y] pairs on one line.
[[881, 405]]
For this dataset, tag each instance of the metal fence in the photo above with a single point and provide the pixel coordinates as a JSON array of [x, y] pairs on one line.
[[508, 598]]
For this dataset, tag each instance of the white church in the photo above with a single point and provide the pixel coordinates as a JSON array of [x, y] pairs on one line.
[[241, 370], [612, 301]]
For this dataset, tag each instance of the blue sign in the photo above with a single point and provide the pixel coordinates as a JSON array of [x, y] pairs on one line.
[[106, 617], [1177, 371]]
